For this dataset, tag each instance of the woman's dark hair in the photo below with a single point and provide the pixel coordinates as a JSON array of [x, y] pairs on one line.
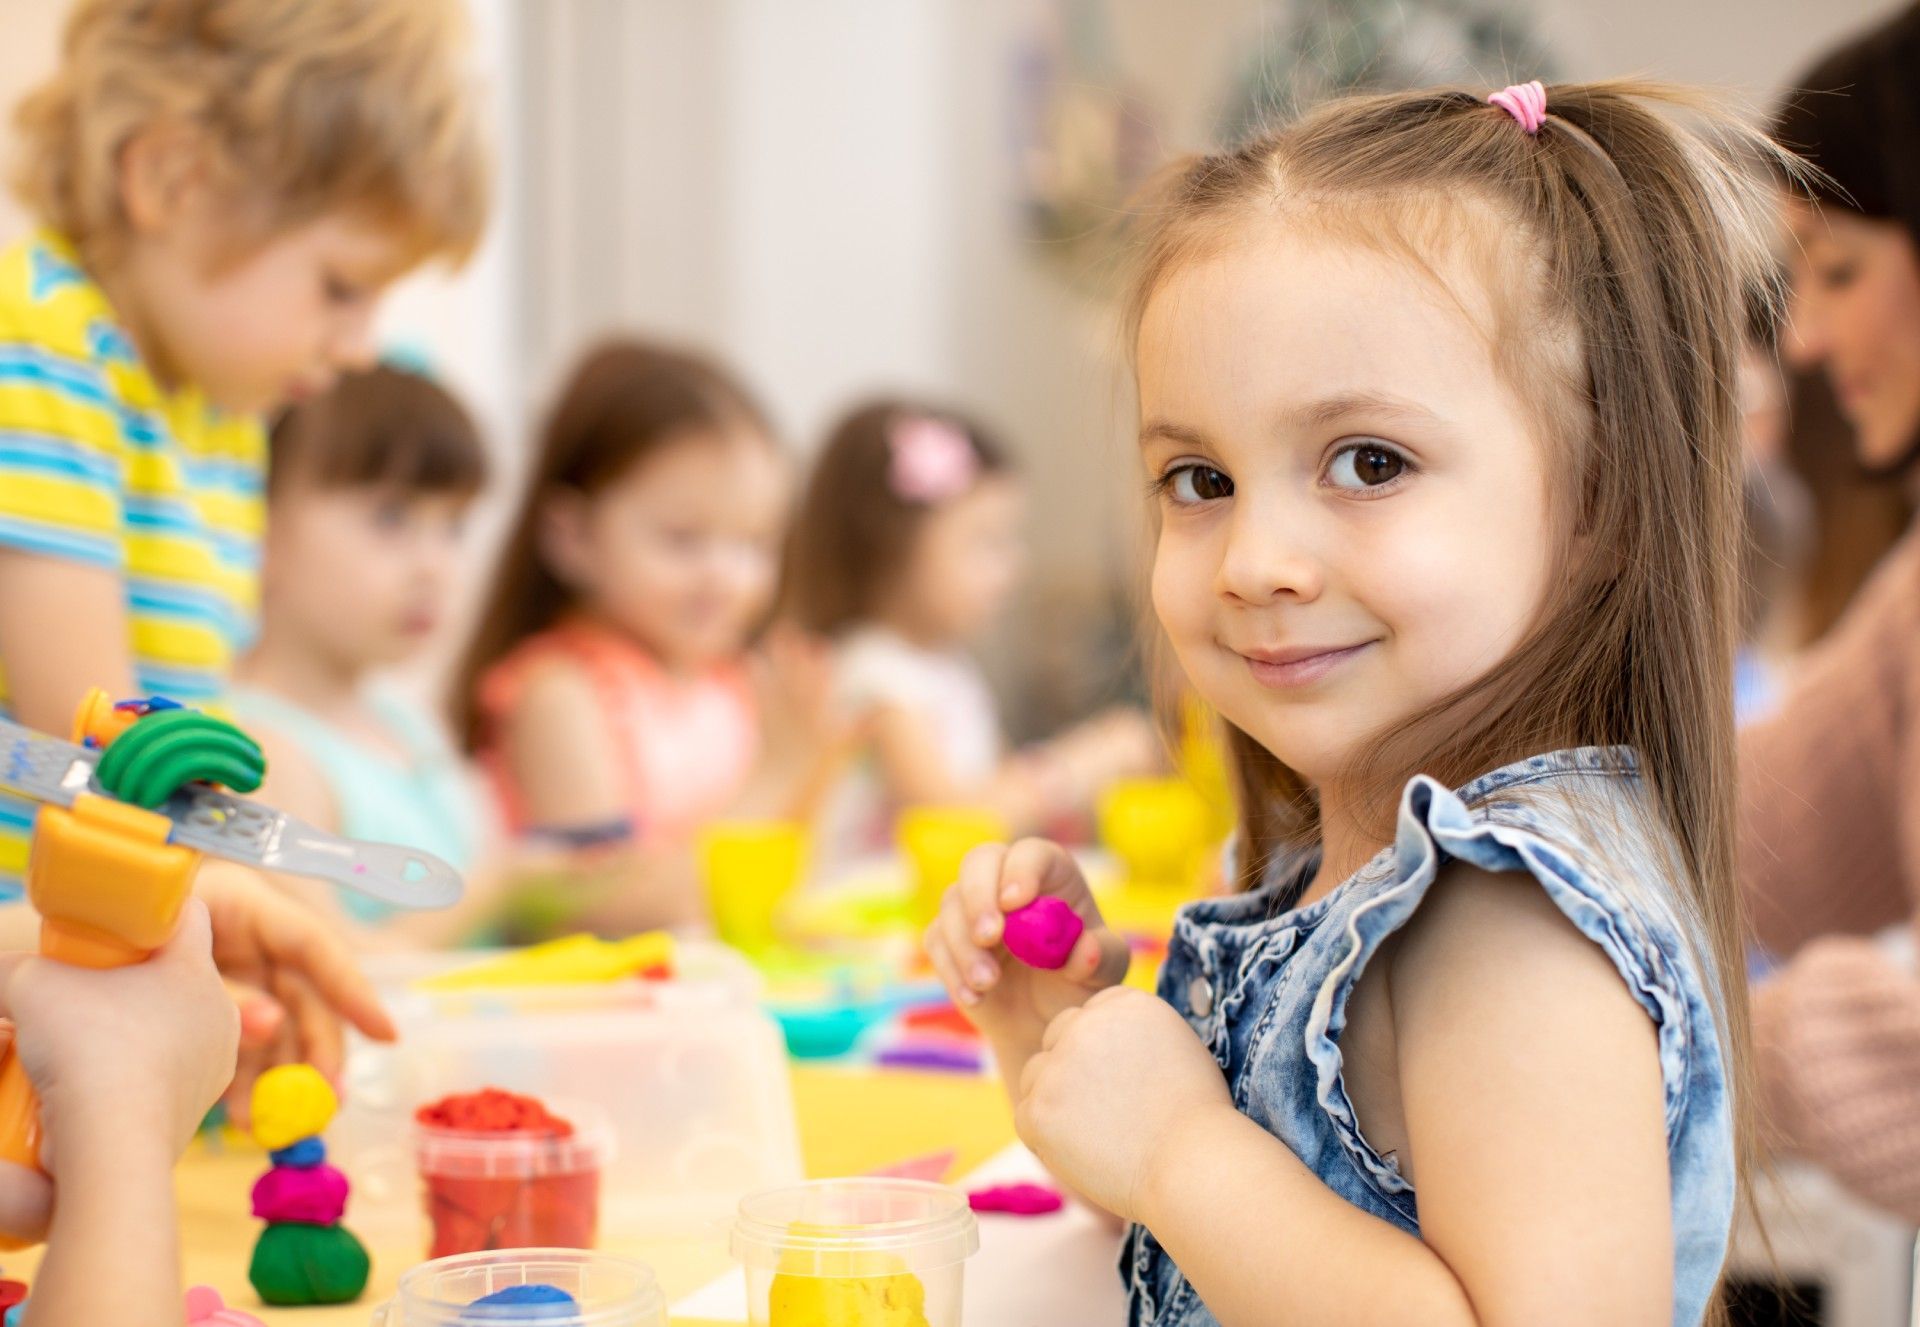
[[626, 402], [1856, 116], [853, 532]]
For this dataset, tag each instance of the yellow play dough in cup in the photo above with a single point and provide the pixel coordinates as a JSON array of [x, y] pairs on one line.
[[855, 1253]]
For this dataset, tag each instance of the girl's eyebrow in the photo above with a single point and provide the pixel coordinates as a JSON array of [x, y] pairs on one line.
[[1155, 430], [1315, 414], [1343, 405]]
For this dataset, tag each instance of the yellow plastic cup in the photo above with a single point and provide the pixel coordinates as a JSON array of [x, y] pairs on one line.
[[936, 839], [749, 867], [1158, 828]]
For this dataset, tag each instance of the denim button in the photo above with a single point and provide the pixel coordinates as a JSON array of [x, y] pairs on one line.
[[1200, 997]]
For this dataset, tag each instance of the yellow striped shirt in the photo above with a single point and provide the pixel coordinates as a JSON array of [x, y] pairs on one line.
[[99, 464]]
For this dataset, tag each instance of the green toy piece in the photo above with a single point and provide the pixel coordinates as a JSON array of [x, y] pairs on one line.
[[296, 1265], [168, 748]]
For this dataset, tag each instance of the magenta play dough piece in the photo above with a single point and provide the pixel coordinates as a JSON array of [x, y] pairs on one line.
[[314, 1196], [1043, 933], [1016, 1199]]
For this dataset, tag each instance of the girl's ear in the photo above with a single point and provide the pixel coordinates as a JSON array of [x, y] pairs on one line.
[[562, 537]]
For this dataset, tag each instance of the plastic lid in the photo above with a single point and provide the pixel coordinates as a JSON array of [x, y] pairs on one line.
[[855, 1227], [608, 1291], [466, 1154]]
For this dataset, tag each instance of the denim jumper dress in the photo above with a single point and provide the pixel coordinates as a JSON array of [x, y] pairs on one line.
[[1267, 991]]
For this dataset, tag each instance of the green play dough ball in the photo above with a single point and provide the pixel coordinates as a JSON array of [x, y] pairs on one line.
[[294, 1265]]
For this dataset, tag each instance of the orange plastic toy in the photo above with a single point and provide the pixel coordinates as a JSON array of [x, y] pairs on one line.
[[108, 887]]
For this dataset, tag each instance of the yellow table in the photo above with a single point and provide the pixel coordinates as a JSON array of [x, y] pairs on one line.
[[851, 1121]]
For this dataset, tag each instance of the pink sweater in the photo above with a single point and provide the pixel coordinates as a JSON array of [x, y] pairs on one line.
[[1829, 853]]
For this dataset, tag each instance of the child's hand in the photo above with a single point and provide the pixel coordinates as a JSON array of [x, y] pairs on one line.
[[807, 738], [1011, 1002], [793, 683], [1114, 1082], [292, 976], [147, 1047]]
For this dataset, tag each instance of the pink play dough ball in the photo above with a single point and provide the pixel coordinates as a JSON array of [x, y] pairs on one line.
[[1043, 933], [315, 1196]]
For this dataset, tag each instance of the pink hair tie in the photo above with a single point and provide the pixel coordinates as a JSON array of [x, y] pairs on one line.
[[1525, 102], [933, 461]]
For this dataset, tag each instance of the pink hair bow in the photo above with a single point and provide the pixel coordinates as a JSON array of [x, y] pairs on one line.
[[933, 461]]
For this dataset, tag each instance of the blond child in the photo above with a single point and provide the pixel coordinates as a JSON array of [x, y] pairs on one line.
[[224, 190]]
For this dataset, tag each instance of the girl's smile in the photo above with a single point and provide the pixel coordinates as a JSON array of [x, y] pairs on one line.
[[1298, 666]]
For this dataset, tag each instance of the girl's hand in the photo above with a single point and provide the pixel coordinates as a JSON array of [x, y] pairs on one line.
[[1009, 1001], [793, 682], [807, 739], [1115, 1082], [294, 978]]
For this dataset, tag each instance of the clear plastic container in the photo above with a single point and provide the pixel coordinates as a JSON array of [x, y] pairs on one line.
[[486, 1191], [855, 1253], [691, 1074], [610, 1292]]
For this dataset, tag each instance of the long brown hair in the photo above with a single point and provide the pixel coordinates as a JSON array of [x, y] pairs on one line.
[[625, 402], [852, 533], [1624, 246]]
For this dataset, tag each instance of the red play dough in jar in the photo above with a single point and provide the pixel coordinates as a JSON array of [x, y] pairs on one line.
[[501, 1171], [1043, 934]]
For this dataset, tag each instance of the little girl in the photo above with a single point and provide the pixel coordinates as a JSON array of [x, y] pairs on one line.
[[1438, 402], [905, 549], [609, 689], [367, 496]]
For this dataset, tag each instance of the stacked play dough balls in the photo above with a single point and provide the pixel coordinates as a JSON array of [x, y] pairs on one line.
[[305, 1256]]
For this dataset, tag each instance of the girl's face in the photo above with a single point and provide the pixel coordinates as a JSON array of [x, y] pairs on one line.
[[680, 552], [966, 560], [1354, 513], [364, 573], [1856, 314]]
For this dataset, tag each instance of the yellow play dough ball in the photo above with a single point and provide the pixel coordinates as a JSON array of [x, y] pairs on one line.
[[290, 1103], [847, 1301]]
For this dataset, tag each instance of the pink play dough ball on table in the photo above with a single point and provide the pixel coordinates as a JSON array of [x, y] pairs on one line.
[[1043, 934]]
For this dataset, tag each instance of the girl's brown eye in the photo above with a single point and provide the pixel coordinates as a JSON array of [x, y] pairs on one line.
[[1198, 483], [1365, 465]]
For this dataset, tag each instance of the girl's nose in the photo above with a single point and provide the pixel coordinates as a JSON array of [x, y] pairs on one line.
[[1268, 558]]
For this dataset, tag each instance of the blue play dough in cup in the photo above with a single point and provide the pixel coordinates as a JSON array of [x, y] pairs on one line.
[[524, 1302]]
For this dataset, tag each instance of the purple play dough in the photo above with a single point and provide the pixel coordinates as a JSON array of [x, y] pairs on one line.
[[1043, 933], [314, 1196]]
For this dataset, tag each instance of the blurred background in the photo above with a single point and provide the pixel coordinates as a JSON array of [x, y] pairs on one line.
[[849, 196]]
